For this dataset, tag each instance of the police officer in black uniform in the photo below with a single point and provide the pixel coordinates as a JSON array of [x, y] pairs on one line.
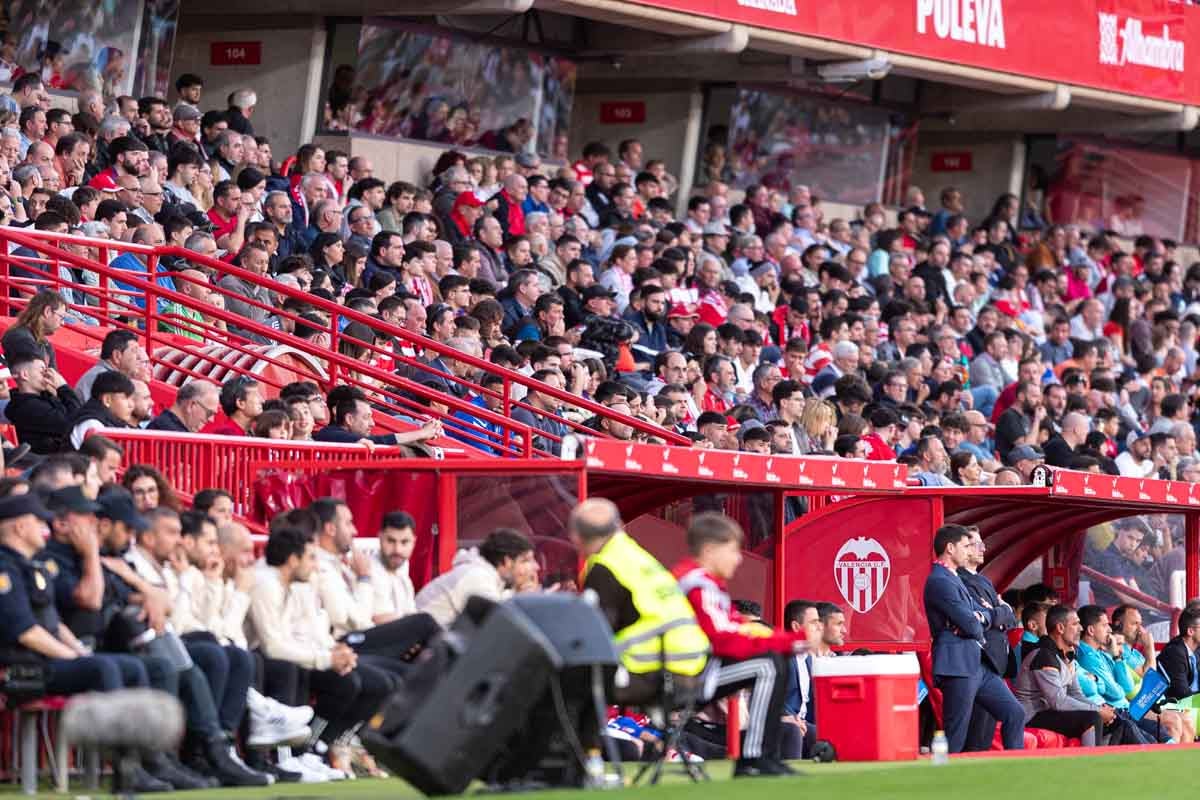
[[96, 589], [30, 629], [210, 753]]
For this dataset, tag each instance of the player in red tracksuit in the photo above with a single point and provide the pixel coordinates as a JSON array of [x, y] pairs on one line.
[[752, 655]]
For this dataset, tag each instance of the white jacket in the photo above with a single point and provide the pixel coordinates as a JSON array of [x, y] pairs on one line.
[[445, 597]]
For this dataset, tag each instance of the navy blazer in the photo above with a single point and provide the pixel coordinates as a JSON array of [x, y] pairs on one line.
[[957, 633], [794, 698], [1003, 619], [1175, 663]]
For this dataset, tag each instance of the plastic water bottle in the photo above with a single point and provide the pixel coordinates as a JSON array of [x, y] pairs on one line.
[[595, 770], [940, 750]]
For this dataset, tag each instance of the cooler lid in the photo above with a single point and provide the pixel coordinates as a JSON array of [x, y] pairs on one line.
[[889, 664]]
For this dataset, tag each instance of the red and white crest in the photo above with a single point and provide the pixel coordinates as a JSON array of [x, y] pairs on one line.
[[861, 570]]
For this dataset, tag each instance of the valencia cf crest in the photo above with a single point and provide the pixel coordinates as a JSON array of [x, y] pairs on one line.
[[861, 570]]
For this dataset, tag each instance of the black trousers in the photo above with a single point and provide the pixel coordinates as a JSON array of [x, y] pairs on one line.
[[346, 701], [766, 678], [1074, 724], [398, 640]]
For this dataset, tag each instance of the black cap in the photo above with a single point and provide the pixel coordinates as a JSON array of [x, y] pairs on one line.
[[117, 504], [18, 505], [596, 290], [71, 499]]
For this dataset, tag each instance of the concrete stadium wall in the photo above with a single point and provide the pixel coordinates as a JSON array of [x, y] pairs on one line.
[[661, 135], [287, 81], [997, 166]]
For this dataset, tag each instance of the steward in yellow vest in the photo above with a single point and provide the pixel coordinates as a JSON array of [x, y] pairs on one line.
[[653, 622]]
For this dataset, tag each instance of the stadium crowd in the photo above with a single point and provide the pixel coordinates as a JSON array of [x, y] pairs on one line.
[[969, 350]]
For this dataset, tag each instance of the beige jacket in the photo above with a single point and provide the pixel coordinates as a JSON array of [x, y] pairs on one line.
[[347, 601], [216, 606], [286, 622], [393, 590], [445, 597]]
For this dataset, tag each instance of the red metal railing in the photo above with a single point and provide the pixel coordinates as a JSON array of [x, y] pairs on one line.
[[123, 313], [119, 307], [192, 461]]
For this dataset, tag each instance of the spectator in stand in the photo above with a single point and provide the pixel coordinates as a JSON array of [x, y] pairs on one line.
[[242, 401], [111, 405], [196, 404], [1019, 425], [353, 421], [120, 352], [30, 333], [43, 404]]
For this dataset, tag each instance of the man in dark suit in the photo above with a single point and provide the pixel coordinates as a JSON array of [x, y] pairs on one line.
[[1178, 657], [957, 624], [801, 616], [995, 635]]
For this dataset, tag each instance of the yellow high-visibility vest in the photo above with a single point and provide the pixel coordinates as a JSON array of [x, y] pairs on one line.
[[666, 628]]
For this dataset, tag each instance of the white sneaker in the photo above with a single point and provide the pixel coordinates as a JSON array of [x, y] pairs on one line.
[[265, 707], [267, 730], [317, 764], [307, 775]]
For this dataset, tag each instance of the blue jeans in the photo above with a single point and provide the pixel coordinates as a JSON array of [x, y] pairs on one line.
[[229, 671]]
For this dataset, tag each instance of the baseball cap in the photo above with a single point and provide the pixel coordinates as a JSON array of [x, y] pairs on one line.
[[596, 290], [715, 229], [1024, 452], [528, 160], [469, 199], [678, 311], [761, 268], [71, 499], [1136, 436], [117, 504], [746, 427], [105, 182], [185, 112], [18, 505]]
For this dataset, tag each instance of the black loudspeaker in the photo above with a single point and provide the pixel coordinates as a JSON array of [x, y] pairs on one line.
[[575, 628], [479, 703], [462, 704]]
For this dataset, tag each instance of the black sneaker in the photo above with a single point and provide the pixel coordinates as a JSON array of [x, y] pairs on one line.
[[783, 768], [282, 775], [178, 776], [257, 760], [759, 768], [142, 782], [229, 769], [210, 782]]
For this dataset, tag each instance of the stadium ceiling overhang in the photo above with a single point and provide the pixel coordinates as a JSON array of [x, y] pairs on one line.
[[1126, 56]]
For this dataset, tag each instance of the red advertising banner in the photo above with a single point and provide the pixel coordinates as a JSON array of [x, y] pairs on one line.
[[1136, 47]]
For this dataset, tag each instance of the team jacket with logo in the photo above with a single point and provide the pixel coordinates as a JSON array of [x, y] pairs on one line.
[[732, 635]]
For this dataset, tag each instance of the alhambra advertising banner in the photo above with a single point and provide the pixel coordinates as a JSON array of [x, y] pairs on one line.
[[1138, 47]]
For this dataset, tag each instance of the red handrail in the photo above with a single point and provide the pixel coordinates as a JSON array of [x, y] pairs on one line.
[[27, 238], [192, 461], [150, 291]]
